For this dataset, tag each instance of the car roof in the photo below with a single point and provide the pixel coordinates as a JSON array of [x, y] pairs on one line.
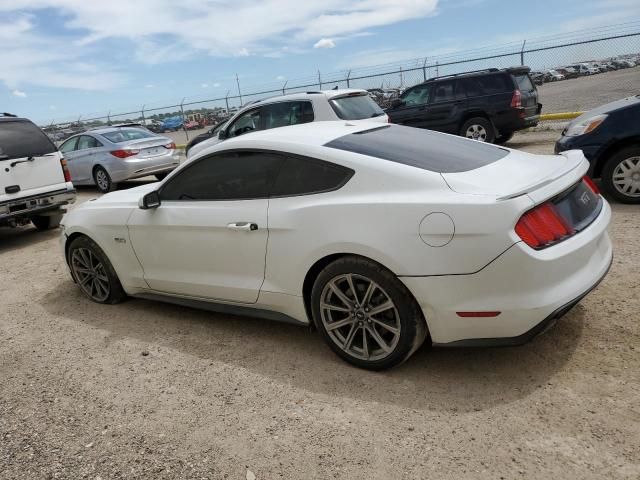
[[101, 130], [328, 94]]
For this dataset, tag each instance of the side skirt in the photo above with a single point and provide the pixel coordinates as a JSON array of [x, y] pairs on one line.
[[222, 308]]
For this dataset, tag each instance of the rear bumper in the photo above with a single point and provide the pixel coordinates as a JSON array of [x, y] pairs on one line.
[[529, 288], [36, 204]]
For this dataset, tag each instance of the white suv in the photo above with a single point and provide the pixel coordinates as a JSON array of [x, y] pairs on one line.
[[34, 181], [328, 105]]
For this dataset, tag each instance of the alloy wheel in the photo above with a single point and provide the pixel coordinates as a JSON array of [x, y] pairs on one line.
[[360, 317], [90, 274], [626, 177], [476, 132], [102, 180]]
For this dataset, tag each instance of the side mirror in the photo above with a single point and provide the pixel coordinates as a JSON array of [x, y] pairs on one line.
[[223, 134], [397, 102], [150, 200]]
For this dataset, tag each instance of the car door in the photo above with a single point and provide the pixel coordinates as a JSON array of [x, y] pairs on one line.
[[86, 154], [412, 110], [208, 237], [68, 150], [77, 152], [443, 112]]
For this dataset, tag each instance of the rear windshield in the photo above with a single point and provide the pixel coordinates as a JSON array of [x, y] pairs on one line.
[[524, 83], [126, 134], [21, 138], [420, 148], [357, 107]]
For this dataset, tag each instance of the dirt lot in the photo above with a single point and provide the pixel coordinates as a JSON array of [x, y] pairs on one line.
[[148, 390]]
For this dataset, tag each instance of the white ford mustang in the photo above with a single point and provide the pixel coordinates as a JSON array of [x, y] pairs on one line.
[[379, 236]]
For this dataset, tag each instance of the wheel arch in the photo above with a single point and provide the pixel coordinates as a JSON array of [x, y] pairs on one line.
[[314, 271], [611, 150], [474, 113]]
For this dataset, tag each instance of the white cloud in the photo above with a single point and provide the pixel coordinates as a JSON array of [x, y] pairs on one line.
[[168, 33], [149, 85], [52, 107], [243, 52], [280, 77], [324, 43], [19, 93], [204, 85], [216, 85]]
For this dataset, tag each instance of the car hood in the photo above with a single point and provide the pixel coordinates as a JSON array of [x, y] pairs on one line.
[[608, 107], [197, 148], [518, 173]]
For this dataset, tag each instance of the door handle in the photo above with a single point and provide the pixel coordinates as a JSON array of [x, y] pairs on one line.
[[244, 226]]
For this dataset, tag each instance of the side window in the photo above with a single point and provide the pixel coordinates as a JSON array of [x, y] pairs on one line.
[[69, 145], [287, 113], [470, 87], [416, 96], [225, 176], [304, 176], [85, 141], [491, 84], [248, 122], [443, 92]]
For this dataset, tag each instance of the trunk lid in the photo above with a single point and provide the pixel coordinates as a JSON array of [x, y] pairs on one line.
[[528, 93], [148, 147], [520, 173], [28, 159]]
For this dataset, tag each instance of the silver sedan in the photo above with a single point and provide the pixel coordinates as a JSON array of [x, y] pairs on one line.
[[106, 156]]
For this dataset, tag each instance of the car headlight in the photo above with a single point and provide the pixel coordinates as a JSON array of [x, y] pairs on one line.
[[584, 126]]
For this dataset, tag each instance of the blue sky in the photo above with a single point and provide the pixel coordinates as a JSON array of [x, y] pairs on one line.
[[62, 58]]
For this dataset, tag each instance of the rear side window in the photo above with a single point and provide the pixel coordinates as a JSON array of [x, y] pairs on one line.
[[87, 142], [305, 176], [446, 92], [420, 148], [355, 107], [287, 113], [524, 83], [491, 84], [69, 145], [225, 176], [21, 138]]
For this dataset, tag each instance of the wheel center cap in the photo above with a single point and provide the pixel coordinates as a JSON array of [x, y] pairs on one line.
[[360, 315], [635, 176]]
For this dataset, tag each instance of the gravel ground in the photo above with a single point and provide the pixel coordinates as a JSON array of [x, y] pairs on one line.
[[148, 390]]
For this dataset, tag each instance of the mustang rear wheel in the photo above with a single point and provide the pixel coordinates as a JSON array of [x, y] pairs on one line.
[[93, 272], [366, 315]]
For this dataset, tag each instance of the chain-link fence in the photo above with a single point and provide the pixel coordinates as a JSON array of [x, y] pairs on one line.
[[612, 52]]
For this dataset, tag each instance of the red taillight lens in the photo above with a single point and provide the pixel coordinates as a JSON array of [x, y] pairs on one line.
[[170, 146], [124, 153], [516, 99], [590, 183], [542, 226], [65, 170]]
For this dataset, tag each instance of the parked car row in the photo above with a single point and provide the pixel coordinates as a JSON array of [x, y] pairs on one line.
[[579, 69]]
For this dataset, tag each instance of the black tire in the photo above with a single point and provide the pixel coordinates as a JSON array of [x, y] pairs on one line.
[[405, 312], [479, 125], [504, 138], [46, 222], [103, 180], [161, 176], [609, 170], [116, 294]]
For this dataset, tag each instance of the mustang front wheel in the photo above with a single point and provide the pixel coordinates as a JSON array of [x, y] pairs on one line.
[[366, 315]]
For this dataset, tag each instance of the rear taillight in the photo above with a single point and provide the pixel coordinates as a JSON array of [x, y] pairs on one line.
[[594, 188], [516, 99], [170, 146], [124, 153], [65, 170], [546, 224]]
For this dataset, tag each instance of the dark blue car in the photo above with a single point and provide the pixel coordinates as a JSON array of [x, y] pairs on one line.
[[609, 137]]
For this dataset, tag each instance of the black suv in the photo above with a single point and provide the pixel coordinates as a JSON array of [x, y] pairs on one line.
[[487, 105]]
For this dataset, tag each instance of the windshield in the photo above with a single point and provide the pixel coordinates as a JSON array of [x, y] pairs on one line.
[[356, 107], [126, 134], [21, 138]]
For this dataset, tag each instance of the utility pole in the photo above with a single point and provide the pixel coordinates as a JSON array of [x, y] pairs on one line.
[[239, 93], [522, 53], [319, 80]]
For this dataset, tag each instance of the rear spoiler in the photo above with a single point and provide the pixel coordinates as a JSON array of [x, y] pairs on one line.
[[570, 154]]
